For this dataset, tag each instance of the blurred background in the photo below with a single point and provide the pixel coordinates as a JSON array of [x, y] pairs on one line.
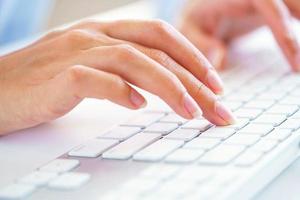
[[80, 9], [21, 19]]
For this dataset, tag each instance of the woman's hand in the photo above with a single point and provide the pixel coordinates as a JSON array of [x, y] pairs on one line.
[[210, 24], [100, 60]]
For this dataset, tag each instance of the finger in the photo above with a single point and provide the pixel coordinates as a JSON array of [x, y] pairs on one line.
[[213, 110], [294, 6], [140, 70], [213, 48], [278, 18], [159, 35], [203, 96], [79, 82]]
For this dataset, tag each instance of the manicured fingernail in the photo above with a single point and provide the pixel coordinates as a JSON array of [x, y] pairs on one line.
[[191, 106], [137, 99], [225, 113], [215, 82]]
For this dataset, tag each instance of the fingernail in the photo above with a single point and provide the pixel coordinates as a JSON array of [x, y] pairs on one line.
[[191, 106], [137, 99], [225, 113], [215, 82]]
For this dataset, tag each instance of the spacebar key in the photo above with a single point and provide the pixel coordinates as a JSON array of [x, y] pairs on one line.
[[126, 149]]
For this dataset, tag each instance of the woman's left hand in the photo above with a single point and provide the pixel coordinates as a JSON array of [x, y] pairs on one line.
[[211, 24]]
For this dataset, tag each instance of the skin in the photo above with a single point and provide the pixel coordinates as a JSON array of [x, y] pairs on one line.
[[49, 78], [212, 24]]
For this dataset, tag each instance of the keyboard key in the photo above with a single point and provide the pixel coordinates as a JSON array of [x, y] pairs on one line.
[[218, 132], [184, 155], [256, 129], [281, 88], [255, 89], [205, 192], [241, 139], [240, 97], [119, 194], [203, 143], [195, 174], [248, 113], [274, 120], [170, 190], [183, 134], [264, 146], [283, 109], [296, 115], [226, 177], [259, 104], [38, 178], [16, 191], [248, 158], [278, 135], [241, 123], [126, 149], [121, 133], [291, 79], [162, 128], [158, 150], [60, 165], [70, 180], [290, 100], [222, 154], [140, 185], [271, 96], [201, 125], [173, 118], [144, 119], [232, 105], [296, 92], [160, 172], [93, 148], [292, 124]]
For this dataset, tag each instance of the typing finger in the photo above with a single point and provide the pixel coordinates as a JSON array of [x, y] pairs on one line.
[[212, 109]]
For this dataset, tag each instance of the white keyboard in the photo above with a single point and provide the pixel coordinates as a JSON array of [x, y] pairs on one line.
[[194, 159]]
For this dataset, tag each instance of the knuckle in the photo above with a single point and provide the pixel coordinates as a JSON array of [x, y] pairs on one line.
[[52, 34], [77, 36], [75, 75], [117, 84], [162, 57], [55, 111], [125, 52], [161, 27], [88, 23]]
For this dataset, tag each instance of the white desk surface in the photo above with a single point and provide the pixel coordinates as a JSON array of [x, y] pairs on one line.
[[26, 150]]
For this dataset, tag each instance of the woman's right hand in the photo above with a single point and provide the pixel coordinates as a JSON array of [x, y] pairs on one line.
[[98, 60]]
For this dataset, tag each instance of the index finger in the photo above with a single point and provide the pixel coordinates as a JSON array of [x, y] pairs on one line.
[[278, 17]]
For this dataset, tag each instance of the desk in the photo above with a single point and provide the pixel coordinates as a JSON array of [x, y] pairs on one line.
[[25, 150]]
